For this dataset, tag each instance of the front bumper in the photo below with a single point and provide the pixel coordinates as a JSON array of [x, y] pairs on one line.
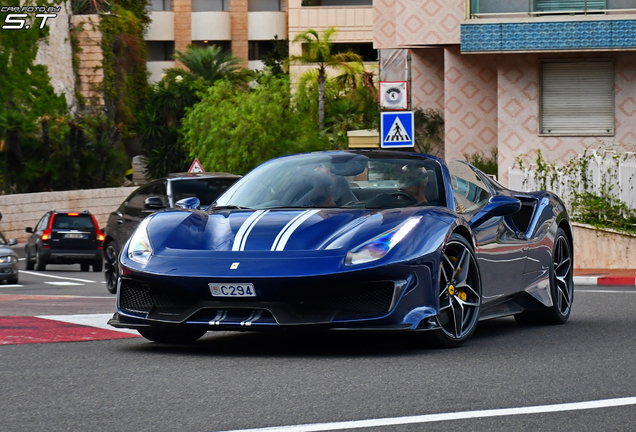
[[8, 271], [389, 297]]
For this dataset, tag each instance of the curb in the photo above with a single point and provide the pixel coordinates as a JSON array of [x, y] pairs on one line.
[[607, 280]]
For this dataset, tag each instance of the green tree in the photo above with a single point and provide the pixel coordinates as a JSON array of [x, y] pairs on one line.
[[276, 58], [210, 64], [234, 130], [318, 49]]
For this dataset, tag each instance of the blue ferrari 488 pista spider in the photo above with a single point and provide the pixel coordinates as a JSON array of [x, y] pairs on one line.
[[349, 240]]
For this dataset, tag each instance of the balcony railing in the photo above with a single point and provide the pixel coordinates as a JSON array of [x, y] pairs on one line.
[[538, 8]]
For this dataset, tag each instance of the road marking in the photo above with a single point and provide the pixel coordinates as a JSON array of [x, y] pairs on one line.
[[605, 291], [11, 286], [461, 415], [21, 259], [92, 320], [63, 283], [58, 277]]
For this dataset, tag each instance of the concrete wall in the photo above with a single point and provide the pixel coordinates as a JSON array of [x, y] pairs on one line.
[[25, 210], [470, 108], [400, 23], [603, 249], [518, 111]]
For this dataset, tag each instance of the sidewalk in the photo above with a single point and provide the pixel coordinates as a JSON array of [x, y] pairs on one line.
[[604, 277]]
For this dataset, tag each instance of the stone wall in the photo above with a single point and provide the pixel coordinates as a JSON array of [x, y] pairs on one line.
[[91, 72], [25, 210], [603, 249]]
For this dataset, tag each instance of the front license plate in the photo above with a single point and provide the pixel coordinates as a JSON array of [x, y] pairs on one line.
[[232, 290], [78, 236]]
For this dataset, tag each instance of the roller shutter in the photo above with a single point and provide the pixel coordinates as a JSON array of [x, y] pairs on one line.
[[577, 98], [568, 5]]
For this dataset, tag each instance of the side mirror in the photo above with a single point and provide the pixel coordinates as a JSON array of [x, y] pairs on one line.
[[153, 203], [191, 203], [13, 242], [29, 230], [497, 206]]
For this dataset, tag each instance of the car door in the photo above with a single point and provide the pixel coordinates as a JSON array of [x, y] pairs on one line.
[[33, 241], [499, 251]]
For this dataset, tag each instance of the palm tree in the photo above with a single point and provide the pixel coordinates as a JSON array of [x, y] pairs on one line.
[[210, 63], [317, 49]]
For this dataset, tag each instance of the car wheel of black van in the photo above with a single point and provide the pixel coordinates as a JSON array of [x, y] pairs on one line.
[[13, 281], [85, 267], [110, 257], [40, 264], [172, 336], [29, 261]]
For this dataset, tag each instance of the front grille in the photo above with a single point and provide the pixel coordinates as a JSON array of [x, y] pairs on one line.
[[364, 300], [140, 297]]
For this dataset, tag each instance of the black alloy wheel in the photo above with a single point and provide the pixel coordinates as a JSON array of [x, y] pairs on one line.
[[175, 336], [561, 286], [459, 293], [111, 254]]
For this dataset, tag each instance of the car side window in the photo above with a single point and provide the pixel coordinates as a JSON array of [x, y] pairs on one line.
[[135, 203], [470, 191], [161, 192], [43, 223]]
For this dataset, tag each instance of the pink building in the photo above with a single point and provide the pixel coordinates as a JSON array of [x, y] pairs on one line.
[[520, 75]]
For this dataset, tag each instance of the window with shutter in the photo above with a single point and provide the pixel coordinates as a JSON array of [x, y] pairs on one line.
[[577, 98]]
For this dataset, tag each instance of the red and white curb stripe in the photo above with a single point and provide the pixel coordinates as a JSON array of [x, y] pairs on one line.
[[605, 280]]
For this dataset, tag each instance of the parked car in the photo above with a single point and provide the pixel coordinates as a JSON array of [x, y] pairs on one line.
[[65, 237], [156, 195], [380, 240], [8, 260]]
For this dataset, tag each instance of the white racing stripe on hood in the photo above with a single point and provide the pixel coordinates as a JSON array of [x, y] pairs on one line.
[[280, 234], [239, 243], [288, 230]]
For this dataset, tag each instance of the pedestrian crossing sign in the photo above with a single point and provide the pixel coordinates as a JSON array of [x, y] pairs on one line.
[[397, 129]]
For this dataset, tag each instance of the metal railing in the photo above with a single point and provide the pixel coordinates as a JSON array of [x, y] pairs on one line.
[[605, 170], [532, 8]]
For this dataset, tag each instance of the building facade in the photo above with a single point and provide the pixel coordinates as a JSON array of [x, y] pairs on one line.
[[519, 75], [243, 26]]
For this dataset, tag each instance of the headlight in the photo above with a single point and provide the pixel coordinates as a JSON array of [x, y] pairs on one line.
[[379, 246], [140, 248], [8, 259]]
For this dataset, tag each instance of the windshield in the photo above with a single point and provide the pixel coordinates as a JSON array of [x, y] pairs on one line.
[[339, 179], [206, 189]]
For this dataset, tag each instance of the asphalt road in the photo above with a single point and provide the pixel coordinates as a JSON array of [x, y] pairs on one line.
[[236, 381]]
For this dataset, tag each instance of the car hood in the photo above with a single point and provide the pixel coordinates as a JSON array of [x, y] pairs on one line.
[[294, 231], [5, 250]]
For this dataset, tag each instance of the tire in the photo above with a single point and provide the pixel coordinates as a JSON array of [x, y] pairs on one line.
[[175, 336], [29, 261], [561, 287], [98, 265], [459, 293], [40, 263], [111, 253], [13, 281], [85, 267]]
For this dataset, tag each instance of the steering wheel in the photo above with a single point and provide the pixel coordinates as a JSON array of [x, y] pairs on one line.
[[406, 196]]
